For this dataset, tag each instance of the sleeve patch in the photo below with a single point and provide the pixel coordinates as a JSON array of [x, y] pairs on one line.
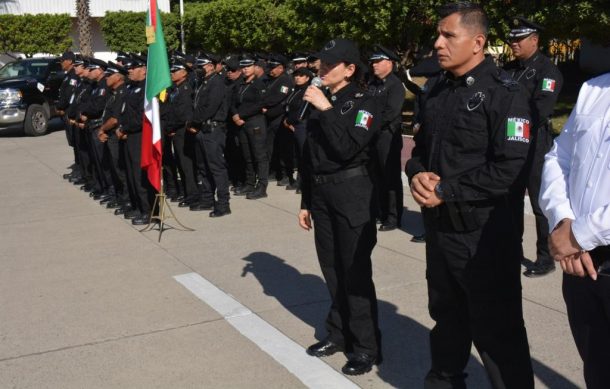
[[548, 85], [364, 119], [518, 130], [284, 90]]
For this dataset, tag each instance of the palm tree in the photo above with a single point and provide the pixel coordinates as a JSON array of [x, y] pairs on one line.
[[83, 19]]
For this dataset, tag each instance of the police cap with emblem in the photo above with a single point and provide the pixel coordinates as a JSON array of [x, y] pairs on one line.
[[203, 60], [380, 52], [231, 63], [178, 64], [340, 50], [68, 56], [95, 63], [277, 60], [79, 60], [215, 58], [135, 61], [114, 68], [299, 57], [246, 60], [521, 28], [122, 56]]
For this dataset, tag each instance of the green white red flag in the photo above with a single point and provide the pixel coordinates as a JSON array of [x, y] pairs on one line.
[[157, 80]]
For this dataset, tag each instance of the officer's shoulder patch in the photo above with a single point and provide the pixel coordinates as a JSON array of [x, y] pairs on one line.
[[518, 130], [364, 119], [548, 85], [73, 82], [102, 92], [284, 89], [347, 107]]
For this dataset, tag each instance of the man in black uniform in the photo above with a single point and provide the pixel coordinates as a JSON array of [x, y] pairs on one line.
[[471, 147], [130, 131], [66, 90], [390, 94], [72, 112], [247, 113], [233, 153], [176, 112], [115, 79], [543, 81], [91, 118], [279, 85], [338, 194], [209, 127]]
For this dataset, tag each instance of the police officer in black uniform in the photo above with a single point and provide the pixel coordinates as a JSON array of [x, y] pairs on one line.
[[247, 113], [66, 90], [176, 112], [130, 131], [113, 148], [338, 194], [233, 154], [71, 113], [543, 81], [209, 125], [471, 147], [390, 95], [279, 85]]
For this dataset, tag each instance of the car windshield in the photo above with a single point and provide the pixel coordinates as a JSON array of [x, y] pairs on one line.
[[32, 68]]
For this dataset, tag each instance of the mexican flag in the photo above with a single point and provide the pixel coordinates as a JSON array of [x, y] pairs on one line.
[[548, 85], [518, 128], [364, 119], [157, 80]]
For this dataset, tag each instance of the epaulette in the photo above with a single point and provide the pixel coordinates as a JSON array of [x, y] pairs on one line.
[[507, 81]]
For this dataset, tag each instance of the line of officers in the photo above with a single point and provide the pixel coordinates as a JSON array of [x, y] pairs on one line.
[[237, 121]]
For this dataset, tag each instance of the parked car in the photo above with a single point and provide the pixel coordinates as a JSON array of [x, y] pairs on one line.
[[29, 90]]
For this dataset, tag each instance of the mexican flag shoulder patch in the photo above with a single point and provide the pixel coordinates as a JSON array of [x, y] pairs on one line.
[[548, 85], [364, 119], [518, 130], [284, 89]]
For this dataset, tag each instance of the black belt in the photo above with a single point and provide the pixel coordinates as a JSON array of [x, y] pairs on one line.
[[320, 179]]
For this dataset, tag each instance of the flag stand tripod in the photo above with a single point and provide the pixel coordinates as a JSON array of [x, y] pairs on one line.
[[161, 205]]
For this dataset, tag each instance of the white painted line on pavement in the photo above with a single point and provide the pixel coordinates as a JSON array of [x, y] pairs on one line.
[[312, 372]]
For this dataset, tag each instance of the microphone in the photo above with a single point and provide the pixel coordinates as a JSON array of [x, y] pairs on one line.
[[317, 82]]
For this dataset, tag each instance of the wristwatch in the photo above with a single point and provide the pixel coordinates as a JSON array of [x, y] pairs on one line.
[[438, 189]]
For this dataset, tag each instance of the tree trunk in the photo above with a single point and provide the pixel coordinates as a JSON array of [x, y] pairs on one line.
[[83, 20]]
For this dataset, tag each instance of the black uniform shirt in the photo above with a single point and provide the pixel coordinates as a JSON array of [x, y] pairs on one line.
[[133, 108], [339, 138], [475, 133], [294, 103], [177, 110], [82, 91], [66, 90], [275, 95], [94, 107], [542, 80], [115, 104], [248, 99], [210, 100], [390, 95]]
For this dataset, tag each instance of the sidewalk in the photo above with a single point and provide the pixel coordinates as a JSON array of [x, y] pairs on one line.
[[87, 301]]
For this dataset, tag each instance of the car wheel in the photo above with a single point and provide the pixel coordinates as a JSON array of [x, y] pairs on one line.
[[36, 121]]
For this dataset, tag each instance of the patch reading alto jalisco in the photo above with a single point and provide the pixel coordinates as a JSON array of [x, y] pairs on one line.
[[518, 130]]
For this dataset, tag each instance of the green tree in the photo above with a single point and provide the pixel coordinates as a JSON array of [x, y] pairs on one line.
[[30, 34], [126, 30]]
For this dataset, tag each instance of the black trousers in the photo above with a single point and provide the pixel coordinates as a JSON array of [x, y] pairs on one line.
[[287, 150], [531, 179], [253, 140], [474, 291], [184, 151], [83, 145], [345, 236], [212, 166], [273, 146], [115, 150], [588, 305], [390, 192], [141, 191], [234, 156], [100, 167], [170, 171]]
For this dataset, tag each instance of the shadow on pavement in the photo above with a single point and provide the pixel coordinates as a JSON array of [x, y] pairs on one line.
[[405, 341]]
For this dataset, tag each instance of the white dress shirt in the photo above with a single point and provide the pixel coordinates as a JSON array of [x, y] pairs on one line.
[[576, 175]]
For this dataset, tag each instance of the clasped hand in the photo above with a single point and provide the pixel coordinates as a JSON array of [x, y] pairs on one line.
[[422, 189], [565, 249]]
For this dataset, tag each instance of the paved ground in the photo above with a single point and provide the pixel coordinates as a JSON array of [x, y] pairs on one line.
[[87, 301]]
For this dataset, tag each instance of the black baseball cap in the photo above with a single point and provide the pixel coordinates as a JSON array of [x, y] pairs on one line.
[[303, 72], [340, 50]]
